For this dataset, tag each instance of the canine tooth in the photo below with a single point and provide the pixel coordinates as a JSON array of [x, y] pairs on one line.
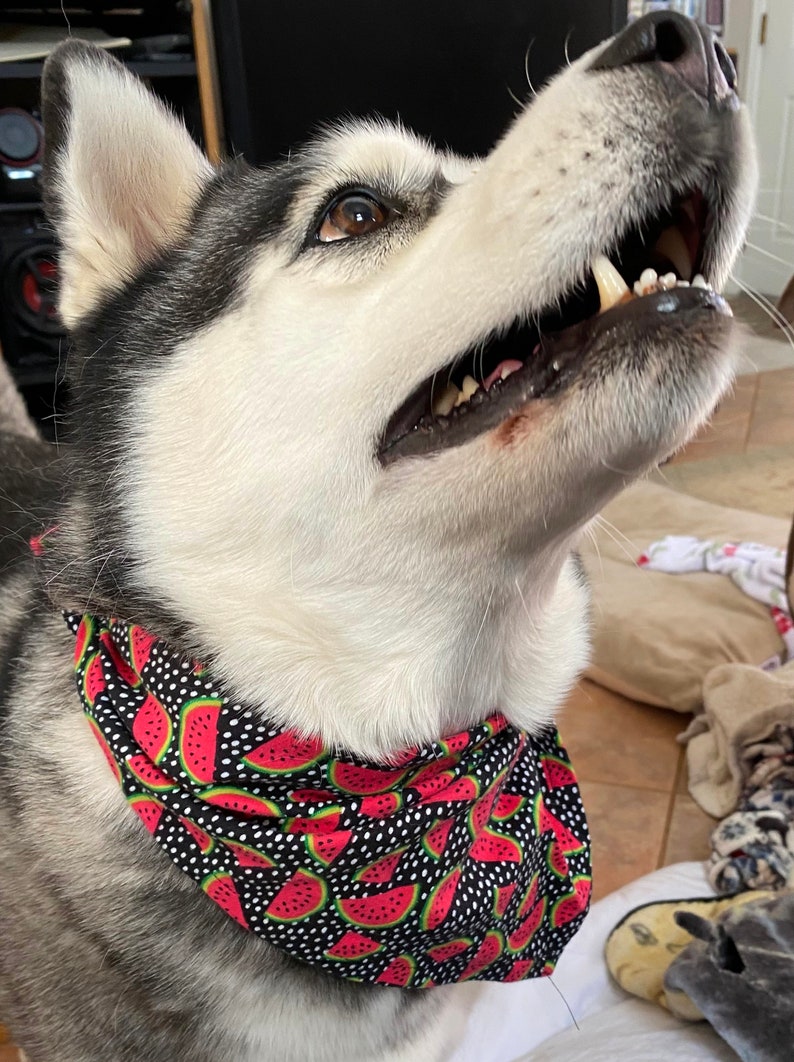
[[445, 402], [611, 285], [699, 281], [672, 245]]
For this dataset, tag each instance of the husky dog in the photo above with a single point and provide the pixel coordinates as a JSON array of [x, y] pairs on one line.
[[337, 426]]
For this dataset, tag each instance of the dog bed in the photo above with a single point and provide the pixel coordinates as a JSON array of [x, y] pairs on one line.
[[657, 636]]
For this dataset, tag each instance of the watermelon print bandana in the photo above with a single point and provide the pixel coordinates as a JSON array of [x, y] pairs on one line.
[[467, 859]]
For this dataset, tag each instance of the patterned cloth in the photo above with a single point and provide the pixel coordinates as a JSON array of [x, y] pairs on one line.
[[466, 859], [754, 847]]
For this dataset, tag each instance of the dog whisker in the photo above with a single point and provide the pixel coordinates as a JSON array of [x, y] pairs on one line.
[[526, 67], [769, 309], [768, 254], [474, 645]]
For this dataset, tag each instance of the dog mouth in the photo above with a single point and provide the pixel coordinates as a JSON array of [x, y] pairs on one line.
[[655, 270]]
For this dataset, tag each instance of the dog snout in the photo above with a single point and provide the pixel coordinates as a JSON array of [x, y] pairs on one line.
[[677, 44]]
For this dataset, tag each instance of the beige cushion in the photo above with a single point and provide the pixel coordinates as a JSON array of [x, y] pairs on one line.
[[656, 636]]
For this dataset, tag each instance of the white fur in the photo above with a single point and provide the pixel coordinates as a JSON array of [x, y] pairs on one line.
[[120, 206], [378, 607]]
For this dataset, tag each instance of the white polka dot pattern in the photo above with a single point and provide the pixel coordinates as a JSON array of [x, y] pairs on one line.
[[467, 859]]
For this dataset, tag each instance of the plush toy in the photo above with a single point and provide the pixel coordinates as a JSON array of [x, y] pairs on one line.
[[729, 961]]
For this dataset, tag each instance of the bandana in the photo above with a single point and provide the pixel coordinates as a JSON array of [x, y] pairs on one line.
[[466, 859]]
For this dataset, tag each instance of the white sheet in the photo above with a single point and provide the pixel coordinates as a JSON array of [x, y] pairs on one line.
[[506, 1023]]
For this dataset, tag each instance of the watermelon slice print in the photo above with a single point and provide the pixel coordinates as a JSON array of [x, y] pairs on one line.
[[325, 821], [379, 910], [381, 805], [303, 895], [398, 973], [148, 810], [353, 945], [529, 898], [152, 728], [149, 775], [557, 772], [435, 840], [85, 632], [488, 952], [198, 738], [240, 801], [381, 870], [285, 753], [492, 847], [521, 937], [571, 906], [504, 894], [361, 781], [247, 856], [439, 902], [326, 847], [200, 837], [221, 890], [125, 672], [450, 950], [519, 970], [507, 805], [555, 860], [141, 645], [100, 737], [544, 820], [93, 679]]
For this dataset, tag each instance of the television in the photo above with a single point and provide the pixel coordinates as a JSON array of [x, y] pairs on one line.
[[456, 71]]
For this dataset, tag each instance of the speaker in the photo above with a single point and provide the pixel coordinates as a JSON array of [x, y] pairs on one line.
[[21, 148], [32, 337]]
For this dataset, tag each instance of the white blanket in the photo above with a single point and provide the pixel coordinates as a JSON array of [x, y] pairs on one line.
[[530, 1021]]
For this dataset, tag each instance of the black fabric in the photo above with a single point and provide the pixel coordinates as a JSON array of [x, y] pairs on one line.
[[465, 859]]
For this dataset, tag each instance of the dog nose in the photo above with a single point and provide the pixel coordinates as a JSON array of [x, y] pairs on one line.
[[679, 45]]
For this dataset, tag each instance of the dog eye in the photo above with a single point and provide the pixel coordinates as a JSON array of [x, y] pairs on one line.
[[353, 214]]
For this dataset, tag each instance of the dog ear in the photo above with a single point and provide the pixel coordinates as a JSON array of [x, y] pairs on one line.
[[121, 173]]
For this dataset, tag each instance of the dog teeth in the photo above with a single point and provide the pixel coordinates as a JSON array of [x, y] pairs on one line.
[[647, 283], [468, 388], [612, 288], [501, 372], [444, 403], [672, 245], [650, 282], [450, 398]]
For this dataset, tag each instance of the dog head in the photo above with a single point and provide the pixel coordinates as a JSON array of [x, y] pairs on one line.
[[268, 465]]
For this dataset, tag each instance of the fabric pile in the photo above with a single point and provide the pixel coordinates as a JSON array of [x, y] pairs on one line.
[[754, 847], [740, 753]]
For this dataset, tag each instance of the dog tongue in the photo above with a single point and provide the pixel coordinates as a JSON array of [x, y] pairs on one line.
[[501, 372]]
